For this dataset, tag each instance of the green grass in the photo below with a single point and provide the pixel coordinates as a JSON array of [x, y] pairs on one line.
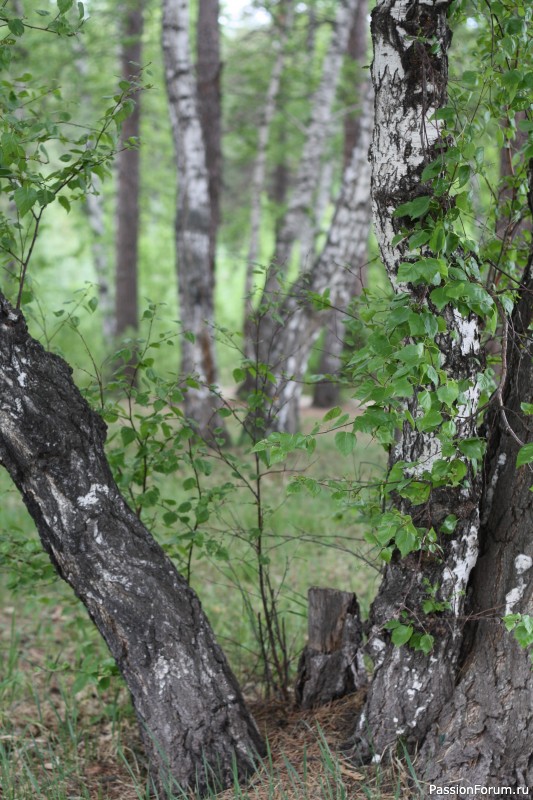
[[66, 726]]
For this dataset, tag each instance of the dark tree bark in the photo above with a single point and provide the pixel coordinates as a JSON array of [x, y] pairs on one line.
[[411, 82], [187, 701], [128, 164], [208, 74], [485, 734], [331, 665]]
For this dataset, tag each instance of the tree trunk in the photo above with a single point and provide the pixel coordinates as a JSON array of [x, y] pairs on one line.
[[485, 734], [188, 704], [193, 222], [308, 175], [259, 170], [332, 664], [208, 72], [265, 324], [327, 393], [95, 213], [297, 322], [410, 81], [128, 164], [94, 207]]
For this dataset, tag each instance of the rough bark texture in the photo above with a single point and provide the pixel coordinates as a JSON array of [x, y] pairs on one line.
[[187, 701], [193, 219], [208, 73], [410, 83], [485, 734], [128, 163], [331, 664], [290, 342]]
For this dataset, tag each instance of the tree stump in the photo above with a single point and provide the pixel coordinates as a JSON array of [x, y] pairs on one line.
[[331, 665]]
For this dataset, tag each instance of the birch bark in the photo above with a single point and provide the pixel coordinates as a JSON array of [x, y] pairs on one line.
[[410, 82], [259, 170], [190, 710], [193, 220], [308, 174], [299, 321], [327, 393]]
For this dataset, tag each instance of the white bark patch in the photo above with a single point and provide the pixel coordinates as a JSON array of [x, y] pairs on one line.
[[91, 498], [455, 577], [522, 563], [468, 330], [21, 378], [513, 597]]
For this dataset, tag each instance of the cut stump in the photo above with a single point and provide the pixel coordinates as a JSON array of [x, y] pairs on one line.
[[331, 665]]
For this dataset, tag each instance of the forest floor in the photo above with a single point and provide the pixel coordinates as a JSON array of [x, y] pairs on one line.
[[62, 742]]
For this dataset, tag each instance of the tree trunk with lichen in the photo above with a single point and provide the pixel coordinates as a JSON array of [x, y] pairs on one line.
[[191, 713], [410, 689]]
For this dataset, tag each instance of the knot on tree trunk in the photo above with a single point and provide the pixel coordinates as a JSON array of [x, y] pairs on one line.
[[331, 665]]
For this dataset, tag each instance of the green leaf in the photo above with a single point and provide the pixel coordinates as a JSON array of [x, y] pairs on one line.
[[62, 200], [128, 435], [426, 643], [472, 448], [525, 455], [527, 408], [345, 442], [406, 541], [16, 26], [64, 5], [332, 413], [401, 634], [414, 208], [25, 198]]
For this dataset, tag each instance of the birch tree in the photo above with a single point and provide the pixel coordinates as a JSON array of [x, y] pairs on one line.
[[298, 319], [193, 220]]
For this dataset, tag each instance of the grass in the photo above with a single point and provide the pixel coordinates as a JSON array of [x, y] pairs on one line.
[[67, 730]]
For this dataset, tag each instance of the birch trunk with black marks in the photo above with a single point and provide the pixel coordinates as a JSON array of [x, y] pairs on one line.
[[190, 710], [208, 74], [485, 734], [128, 177], [327, 392], [409, 689], [308, 174], [193, 221], [298, 321]]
